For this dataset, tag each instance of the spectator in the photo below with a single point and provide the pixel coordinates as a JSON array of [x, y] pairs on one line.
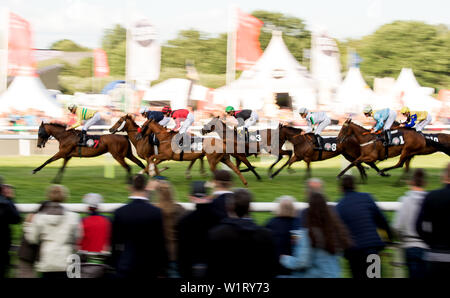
[[223, 181], [55, 230], [192, 233], [281, 226], [313, 185], [319, 242], [96, 228], [238, 248], [433, 226], [138, 244], [28, 254], [8, 215], [172, 213], [362, 217], [405, 225]]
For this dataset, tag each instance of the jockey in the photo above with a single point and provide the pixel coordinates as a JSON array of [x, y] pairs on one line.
[[82, 113], [248, 118], [179, 115], [384, 118], [155, 115], [315, 118], [418, 118]]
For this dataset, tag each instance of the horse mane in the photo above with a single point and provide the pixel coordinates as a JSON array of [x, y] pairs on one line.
[[357, 125], [61, 125], [293, 129]]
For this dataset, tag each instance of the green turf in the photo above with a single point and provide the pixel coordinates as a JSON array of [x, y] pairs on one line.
[[87, 175]]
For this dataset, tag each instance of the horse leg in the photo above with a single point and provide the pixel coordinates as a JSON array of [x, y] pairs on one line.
[[248, 164], [269, 172], [136, 161], [308, 169], [202, 167], [403, 158], [51, 159], [58, 176], [121, 160], [362, 173], [289, 163], [404, 177], [228, 162], [187, 174], [379, 172], [352, 164]]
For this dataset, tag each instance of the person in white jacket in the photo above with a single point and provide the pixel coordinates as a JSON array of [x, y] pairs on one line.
[[56, 230], [405, 225]]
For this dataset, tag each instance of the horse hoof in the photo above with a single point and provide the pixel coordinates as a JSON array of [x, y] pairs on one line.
[[33, 172], [187, 176]]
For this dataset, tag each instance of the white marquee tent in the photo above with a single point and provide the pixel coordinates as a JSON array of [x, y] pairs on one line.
[[277, 71], [28, 92], [353, 94], [175, 91], [407, 91]]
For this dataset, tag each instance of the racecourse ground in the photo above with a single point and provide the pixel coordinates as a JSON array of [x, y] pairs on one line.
[[87, 175]]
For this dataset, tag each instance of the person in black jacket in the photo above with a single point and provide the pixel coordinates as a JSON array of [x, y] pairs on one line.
[[138, 244], [433, 226], [238, 248], [281, 226], [192, 233], [362, 217], [223, 180], [8, 215]]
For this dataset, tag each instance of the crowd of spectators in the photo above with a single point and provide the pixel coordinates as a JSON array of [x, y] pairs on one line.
[[152, 236]]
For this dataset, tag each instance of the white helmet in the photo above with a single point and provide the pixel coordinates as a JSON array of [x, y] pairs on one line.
[[143, 110], [367, 109], [303, 111]]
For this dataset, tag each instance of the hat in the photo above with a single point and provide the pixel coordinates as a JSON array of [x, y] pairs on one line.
[[92, 199], [198, 189], [303, 111], [222, 175]]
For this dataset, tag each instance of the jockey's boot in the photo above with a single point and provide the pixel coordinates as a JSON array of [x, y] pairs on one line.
[[83, 138], [247, 135], [388, 137], [319, 142]]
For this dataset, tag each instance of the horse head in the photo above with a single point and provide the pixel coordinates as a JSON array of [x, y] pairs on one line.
[[43, 135], [211, 125], [345, 131]]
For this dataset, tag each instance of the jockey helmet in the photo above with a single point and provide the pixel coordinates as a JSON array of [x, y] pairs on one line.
[[229, 109], [143, 110], [367, 110], [405, 110], [167, 109], [72, 107], [303, 111]]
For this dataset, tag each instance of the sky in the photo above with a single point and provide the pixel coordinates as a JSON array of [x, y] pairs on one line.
[[84, 21]]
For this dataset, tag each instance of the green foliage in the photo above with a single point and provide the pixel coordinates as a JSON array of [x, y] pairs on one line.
[[420, 46], [114, 44], [67, 45], [295, 34]]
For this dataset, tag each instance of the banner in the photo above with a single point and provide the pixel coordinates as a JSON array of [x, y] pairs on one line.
[[21, 61], [143, 52], [248, 49], [101, 67]]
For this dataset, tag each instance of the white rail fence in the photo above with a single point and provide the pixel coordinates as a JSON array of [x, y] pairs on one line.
[[254, 207]]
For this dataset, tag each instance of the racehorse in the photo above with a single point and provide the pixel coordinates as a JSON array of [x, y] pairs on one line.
[[143, 147], [214, 149], [373, 150], [118, 146], [216, 125], [304, 150]]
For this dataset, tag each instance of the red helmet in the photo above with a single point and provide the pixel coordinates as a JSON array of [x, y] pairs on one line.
[[166, 109]]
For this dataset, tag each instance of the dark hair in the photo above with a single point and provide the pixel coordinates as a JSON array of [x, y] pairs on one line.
[[139, 182], [223, 178], [418, 178], [325, 229], [348, 183], [239, 202]]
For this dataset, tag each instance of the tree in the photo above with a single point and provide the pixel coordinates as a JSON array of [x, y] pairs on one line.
[[295, 35], [420, 46], [114, 44], [67, 45]]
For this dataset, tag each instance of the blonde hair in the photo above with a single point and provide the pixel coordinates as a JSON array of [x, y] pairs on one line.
[[165, 196], [286, 206], [57, 193]]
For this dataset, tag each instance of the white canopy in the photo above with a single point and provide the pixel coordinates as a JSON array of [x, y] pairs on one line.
[[27, 92], [175, 91], [277, 71], [353, 94]]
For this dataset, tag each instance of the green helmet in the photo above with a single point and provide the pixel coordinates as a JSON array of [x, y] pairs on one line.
[[229, 109]]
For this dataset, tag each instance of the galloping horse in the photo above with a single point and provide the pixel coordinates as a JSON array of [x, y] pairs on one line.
[[214, 149], [216, 125], [373, 150], [118, 146], [143, 147], [304, 150]]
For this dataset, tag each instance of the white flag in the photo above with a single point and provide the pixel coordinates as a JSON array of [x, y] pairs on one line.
[[143, 52]]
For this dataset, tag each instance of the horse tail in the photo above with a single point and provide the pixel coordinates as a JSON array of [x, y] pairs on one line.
[[439, 146]]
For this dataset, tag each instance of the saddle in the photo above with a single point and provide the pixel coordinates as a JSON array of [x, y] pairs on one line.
[[391, 138], [195, 144], [92, 141]]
